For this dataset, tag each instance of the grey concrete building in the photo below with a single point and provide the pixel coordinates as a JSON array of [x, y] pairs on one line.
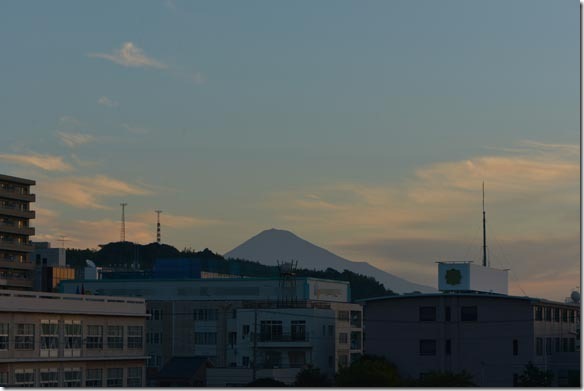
[[492, 336], [16, 268]]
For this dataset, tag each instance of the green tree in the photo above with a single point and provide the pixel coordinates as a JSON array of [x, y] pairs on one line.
[[368, 371], [532, 376], [445, 379], [311, 377]]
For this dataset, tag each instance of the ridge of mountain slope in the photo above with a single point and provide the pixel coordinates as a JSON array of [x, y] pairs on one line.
[[273, 245]]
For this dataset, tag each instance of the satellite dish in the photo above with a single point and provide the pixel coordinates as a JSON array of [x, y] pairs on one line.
[[575, 296], [90, 263]]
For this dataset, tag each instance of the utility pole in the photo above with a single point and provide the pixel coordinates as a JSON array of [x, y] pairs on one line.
[[63, 240], [158, 212], [484, 230], [123, 228], [255, 338]]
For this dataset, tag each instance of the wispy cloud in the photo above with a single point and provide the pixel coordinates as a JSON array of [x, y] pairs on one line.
[[73, 140], [88, 192], [105, 101], [129, 55], [44, 162]]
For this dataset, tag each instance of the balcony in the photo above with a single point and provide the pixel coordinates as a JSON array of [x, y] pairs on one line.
[[15, 195], [10, 264], [279, 340], [15, 246], [14, 229], [16, 212], [16, 283]]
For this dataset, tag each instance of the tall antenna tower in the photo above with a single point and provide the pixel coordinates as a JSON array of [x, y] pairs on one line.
[[158, 212], [123, 229], [63, 240], [484, 230]]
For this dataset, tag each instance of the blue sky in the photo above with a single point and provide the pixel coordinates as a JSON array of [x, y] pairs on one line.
[[352, 123]]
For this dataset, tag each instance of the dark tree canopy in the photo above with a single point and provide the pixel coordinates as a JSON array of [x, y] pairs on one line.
[[532, 376], [368, 371], [311, 377], [266, 382]]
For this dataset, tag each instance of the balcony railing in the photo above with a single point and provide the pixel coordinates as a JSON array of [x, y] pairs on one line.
[[12, 210], [16, 195], [14, 229], [12, 264], [301, 337], [15, 246]]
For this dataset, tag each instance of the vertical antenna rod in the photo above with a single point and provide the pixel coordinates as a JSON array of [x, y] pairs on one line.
[[158, 212], [123, 229], [484, 230]]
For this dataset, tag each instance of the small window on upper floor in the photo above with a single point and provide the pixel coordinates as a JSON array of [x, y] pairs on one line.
[[469, 314], [427, 314]]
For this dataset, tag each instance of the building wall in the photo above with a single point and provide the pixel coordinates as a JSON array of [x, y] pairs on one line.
[[493, 348], [16, 268], [36, 336]]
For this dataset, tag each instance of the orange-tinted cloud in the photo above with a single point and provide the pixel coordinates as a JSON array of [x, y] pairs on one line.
[[44, 162]]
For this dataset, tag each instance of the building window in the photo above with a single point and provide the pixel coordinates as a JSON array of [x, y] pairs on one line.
[[94, 337], [565, 345], [232, 338], [245, 330], [447, 315], [427, 314], [115, 377], [538, 313], [343, 360], [427, 347], [94, 377], [156, 314], [548, 314], [564, 315], [556, 314], [73, 337], [331, 330], [448, 347], [297, 359], [24, 377], [156, 337], [49, 377], [24, 339], [115, 337], [49, 338], [271, 330], [356, 319], [245, 361], [343, 338], [343, 316], [205, 338], [272, 359], [134, 377], [4, 335], [558, 348], [205, 314], [4, 379], [72, 377], [469, 314], [539, 346], [572, 345], [135, 337], [298, 330], [355, 340], [548, 346], [515, 347]]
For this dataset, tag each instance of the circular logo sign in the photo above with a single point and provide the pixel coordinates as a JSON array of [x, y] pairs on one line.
[[453, 277]]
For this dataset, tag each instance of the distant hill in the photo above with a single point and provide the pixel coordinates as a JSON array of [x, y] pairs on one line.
[[274, 245]]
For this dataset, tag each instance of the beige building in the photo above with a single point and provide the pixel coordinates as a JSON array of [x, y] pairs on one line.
[[16, 268], [69, 340]]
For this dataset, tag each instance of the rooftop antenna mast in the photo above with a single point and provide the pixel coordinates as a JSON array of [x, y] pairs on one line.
[[158, 212], [63, 240], [484, 230], [123, 229]]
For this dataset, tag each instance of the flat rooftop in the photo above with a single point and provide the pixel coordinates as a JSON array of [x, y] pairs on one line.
[[15, 179]]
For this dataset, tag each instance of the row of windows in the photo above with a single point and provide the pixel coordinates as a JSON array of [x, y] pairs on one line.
[[71, 377], [555, 344], [50, 339], [355, 317], [553, 314], [201, 314], [467, 314]]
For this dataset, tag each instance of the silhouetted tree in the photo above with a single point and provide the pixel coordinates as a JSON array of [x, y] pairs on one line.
[[444, 379], [368, 371], [311, 377], [532, 376], [266, 382]]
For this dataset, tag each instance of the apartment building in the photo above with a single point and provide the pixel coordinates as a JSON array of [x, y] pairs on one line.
[[16, 268], [467, 327], [245, 325], [62, 340]]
